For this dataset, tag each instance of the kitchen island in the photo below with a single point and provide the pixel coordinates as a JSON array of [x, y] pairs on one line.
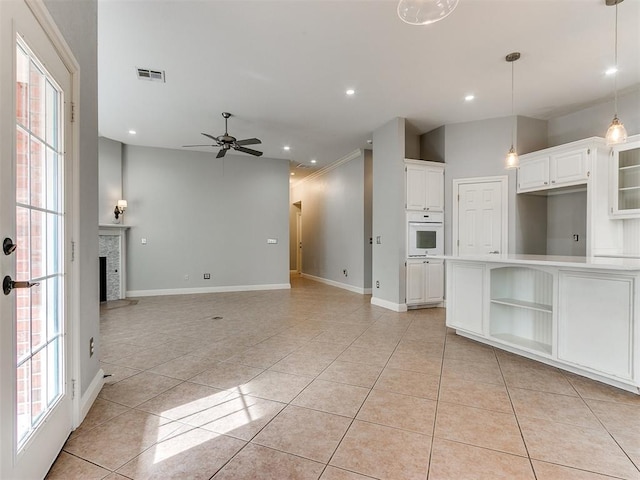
[[581, 314]]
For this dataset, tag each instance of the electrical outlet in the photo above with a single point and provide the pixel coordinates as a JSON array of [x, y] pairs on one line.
[[186, 278], [575, 237], [345, 272], [377, 283], [91, 347], [207, 276]]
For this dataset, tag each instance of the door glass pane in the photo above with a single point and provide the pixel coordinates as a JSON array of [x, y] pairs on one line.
[[36, 100], [40, 237], [22, 166], [22, 88], [24, 399], [37, 172]]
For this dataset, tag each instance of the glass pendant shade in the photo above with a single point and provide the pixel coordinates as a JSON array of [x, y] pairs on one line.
[[512, 159], [424, 12], [616, 132]]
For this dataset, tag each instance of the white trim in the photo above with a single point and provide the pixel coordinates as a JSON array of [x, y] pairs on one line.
[[456, 182], [428, 163], [396, 307], [347, 158], [188, 291], [90, 395], [333, 283]]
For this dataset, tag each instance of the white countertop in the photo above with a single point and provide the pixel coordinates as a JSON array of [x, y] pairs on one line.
[[603, 263]]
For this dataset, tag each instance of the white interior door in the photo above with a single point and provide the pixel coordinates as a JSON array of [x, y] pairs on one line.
[[35, 402], [481, 216]]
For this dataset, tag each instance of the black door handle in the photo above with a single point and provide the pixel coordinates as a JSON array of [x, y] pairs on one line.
[[8, 247], [8, 284]]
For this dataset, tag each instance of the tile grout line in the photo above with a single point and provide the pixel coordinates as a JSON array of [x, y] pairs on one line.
[[524, 442]]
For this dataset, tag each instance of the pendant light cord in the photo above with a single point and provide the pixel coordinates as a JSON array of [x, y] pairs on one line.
[[513, 130], [615, 60]]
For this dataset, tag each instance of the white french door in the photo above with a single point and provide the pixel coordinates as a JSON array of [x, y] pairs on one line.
[[35, 399], [480, 216]]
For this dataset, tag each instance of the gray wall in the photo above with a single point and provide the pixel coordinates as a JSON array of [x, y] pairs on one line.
[[110, 178], [388, 212], [593, 121], [334, 225], [477, 149], [78, 23], [202, 215], [368, 216], [567, 216]]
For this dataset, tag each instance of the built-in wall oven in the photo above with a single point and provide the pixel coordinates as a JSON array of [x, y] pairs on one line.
[[425, 234]]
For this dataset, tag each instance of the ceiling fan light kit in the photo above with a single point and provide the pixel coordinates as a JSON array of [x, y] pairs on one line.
[[616, 133], [226, 142]]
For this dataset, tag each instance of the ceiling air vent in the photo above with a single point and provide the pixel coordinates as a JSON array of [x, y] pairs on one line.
[[152, 75]]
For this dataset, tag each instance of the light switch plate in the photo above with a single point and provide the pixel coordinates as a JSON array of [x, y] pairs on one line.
[[272, 240]]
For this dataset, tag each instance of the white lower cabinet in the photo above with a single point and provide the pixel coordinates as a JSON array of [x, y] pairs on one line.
[[595, 322], [425, 281], [585, 320], [466, 285]]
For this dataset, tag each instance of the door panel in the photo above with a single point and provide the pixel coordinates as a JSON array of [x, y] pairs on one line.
[[480, 218], [35, 403]]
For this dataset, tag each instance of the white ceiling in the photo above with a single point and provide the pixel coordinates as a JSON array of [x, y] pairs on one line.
[[282, 68]]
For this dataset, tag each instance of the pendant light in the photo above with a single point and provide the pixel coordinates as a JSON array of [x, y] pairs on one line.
[[512, 157], [424, 12], [616, 132]]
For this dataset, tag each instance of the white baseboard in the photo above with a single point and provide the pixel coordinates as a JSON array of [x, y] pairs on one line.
[[291, 272], [396, 307], [333, 283], [90, 395], [187, 291]]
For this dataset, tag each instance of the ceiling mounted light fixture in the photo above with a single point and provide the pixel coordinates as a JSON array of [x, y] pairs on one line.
[[512, 157], [425, 12], [616, 132]]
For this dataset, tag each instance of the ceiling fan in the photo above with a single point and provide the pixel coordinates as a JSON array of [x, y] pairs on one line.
[[227, 142]]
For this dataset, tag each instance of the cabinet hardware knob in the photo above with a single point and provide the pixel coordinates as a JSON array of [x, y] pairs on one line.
[[553, 181], [546, 183]]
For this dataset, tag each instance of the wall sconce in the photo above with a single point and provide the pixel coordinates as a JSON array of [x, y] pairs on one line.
[[120, 208]]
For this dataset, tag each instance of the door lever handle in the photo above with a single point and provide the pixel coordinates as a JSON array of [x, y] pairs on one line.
[[494, 252], [8, 284]]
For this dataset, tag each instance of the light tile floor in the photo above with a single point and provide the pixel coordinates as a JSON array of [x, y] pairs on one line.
[[317, 383]]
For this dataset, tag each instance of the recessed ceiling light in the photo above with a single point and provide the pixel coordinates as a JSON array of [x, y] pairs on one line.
[[292, 174], [313, 161], [132, 132], [611, 71], [287, 148], [469, 97], [351, 91]]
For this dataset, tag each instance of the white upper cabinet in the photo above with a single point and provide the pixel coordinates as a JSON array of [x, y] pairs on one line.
[[533, 174], [424, 185], [625, 190], [555, 167]]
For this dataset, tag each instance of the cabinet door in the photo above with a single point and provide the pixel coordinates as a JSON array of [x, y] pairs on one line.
[[465, 296], [533, 174], [434, 281], [626, 180], [595, 319], [416, 187], [569, 167], [416, 282], [434, 201]]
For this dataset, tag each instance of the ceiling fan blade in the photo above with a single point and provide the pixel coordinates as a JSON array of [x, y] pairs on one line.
[[207, 145], [211, 137], [248, 141], [249, 151], [221, 153]]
